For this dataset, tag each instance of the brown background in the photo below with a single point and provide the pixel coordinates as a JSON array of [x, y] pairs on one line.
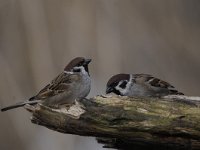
[[38, 37]]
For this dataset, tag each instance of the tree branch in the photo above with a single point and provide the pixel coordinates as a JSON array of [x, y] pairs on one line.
[[127, 123]]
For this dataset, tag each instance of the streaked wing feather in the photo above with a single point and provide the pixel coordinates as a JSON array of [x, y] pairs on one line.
[[57, 86], [155, 82]]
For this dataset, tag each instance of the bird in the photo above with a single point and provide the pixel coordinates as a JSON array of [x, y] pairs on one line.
[[70, 85], [139, 85]]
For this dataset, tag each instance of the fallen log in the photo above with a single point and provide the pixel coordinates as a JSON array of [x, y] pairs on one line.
[[128, 123]]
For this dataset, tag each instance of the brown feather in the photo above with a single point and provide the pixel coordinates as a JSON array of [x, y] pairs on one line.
[[57, 86]]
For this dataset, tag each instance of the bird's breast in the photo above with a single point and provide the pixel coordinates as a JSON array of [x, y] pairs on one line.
[[84, 87]]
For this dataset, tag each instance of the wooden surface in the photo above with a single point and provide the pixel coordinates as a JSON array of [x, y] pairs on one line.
[[127, 123]]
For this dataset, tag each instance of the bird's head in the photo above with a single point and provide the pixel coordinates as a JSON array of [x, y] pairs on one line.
[[78, 64], [118, 84]]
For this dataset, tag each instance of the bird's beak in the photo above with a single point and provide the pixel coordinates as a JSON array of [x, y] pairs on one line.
[[87, 61], [109, 90]]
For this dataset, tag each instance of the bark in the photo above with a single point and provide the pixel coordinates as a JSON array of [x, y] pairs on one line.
[[128, 123]]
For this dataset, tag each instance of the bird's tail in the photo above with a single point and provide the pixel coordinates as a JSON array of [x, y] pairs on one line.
[[20, 104]]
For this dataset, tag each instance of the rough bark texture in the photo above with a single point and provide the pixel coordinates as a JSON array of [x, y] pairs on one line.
[[129, 123]]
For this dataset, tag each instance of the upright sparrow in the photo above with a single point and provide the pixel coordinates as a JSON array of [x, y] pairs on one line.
[[72, 84]]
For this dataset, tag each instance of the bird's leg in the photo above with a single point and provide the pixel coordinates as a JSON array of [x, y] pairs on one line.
[[66, 106], [82, 99]]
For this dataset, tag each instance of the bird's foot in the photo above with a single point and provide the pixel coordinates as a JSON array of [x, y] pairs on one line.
[[107, 95]]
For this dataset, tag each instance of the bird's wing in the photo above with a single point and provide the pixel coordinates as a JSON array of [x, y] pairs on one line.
[[149, 80], [59, 85]]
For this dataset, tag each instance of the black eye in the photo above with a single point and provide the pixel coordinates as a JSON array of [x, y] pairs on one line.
[[81, 63], [123, 84]]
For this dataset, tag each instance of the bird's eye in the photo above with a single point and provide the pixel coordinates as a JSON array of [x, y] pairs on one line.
[[81, 63]]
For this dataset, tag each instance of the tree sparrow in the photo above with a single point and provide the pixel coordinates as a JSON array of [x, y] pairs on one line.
[[139, 85], [72, 84]]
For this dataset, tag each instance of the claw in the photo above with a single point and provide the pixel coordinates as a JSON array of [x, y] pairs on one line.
[[107, 96]]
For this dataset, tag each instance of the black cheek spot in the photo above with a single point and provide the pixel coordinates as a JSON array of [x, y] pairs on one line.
[[123, 84], [77, 70]]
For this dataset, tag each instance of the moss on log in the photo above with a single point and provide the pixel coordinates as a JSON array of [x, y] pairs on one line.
[[126, 123]]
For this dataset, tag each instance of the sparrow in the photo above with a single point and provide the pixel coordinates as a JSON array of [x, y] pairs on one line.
[[72, 84], [142, 85]]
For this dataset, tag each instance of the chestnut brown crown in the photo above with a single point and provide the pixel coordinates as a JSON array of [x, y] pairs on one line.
[[78, 62], [114, 81]]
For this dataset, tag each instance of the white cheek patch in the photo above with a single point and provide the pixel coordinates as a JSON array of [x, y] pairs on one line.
[[129, 84], [121, 90], [126, 89], [68, 72], [82, 70]]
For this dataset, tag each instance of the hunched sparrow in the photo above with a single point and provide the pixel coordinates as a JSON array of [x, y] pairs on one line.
[[139, 85]]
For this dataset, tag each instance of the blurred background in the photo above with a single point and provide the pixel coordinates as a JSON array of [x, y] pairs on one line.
[[39, 37]]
